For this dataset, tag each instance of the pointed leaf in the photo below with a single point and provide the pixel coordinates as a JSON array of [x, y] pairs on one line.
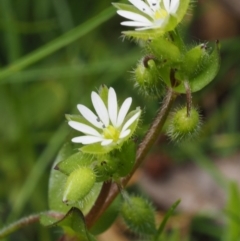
[[206, 74], [74, 225]]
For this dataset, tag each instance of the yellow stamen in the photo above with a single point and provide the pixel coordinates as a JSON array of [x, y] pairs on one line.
[[161, 13], [111, 133]]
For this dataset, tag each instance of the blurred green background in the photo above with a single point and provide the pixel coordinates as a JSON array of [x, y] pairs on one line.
[[53, 53]]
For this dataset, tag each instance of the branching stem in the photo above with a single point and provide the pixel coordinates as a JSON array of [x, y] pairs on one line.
[[23, 222], [189, 98], [142, 152]]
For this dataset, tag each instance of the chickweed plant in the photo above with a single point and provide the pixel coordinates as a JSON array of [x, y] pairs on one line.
[[86, 178]]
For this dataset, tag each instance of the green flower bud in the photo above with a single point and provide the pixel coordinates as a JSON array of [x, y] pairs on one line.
[[193, 61], [147, 78], [164, 50], [138, 215], [79, 184], [184, 126]]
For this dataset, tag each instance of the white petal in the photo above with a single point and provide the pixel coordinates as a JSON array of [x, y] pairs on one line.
[[123, 111], [83, 128], [133, 16], [154, 4], [135, 24], [140, 29], [106, 142], [124, 133], [142, 6], [89, 115], [112, 106], [100, 108], [174, 6], [130, 121], [87, 139], [167, 5]]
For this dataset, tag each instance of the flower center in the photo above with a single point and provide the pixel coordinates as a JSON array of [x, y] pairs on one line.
[[160, 13], [111, 132]]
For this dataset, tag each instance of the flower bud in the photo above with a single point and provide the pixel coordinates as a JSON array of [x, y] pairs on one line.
[[79, 184], [184, 126], [164, 50], [148, 80], [193, 60], [138, 215]]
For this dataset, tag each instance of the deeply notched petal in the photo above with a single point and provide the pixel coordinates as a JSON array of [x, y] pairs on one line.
[[142, 6], [84, 128], [89, 115], [133, 16], [100, 108], [123, 111], [87, 139], [112, 106], [130, 121]]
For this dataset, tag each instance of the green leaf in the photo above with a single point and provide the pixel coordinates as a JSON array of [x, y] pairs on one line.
[[57, 182], [74, 225], [166, 217], [108, 217], [206, 73], [46, 219], [232, 231], [73, 162]]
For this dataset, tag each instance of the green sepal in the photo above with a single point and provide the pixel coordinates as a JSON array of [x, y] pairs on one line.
[[134, 125], [108, 217], [105, 168], [116, 164], [96, 149], [73, 162], [182, 10], [164, 49], [144, 35], [78, 185], [205, 73], [73, 224], [103, 93], [125, 158]]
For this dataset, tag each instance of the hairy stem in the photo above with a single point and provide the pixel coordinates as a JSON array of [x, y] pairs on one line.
[[25, 222], [142, 152], [188, 98]]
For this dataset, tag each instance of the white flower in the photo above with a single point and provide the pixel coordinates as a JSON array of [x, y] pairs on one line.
[[153, 13], [109, 126]]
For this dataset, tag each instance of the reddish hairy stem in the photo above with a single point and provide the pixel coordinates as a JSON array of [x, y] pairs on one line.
[[142, 151]]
